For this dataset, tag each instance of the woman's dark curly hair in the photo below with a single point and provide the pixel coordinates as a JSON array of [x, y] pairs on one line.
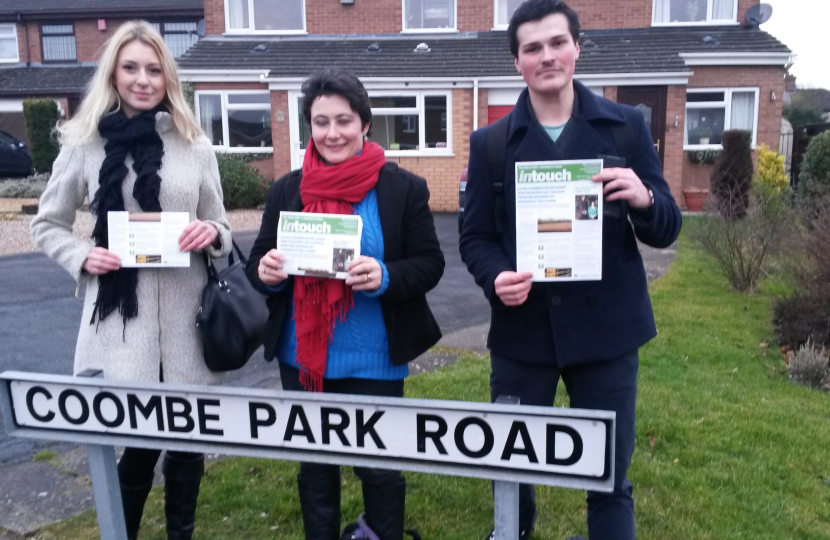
[[341, 82]]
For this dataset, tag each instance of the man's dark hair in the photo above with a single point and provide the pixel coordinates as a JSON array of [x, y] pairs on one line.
[[535, 10], [341, 82]]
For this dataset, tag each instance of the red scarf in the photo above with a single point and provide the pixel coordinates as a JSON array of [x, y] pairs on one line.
[[319, 302]]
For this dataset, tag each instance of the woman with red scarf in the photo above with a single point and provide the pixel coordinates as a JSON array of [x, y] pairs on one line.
[[354, 336]]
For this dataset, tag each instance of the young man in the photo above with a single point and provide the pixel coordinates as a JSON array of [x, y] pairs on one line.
[[586, 332]]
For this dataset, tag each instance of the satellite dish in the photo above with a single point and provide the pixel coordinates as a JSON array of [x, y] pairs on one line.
[[758, 15], [200, 28]]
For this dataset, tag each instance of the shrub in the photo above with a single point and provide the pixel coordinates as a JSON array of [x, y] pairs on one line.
[[731, 179], [41, 118], [27, 188], [771, 175], [741, 246], [242, 183], [810, 365], [806, 316]]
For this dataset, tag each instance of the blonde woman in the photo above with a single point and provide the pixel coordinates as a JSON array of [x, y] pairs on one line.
[[135, 145]]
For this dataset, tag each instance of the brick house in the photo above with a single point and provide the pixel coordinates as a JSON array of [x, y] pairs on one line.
[[49, 48], [438, 69]]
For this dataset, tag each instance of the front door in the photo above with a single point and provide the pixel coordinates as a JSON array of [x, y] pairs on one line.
[[651, 101]]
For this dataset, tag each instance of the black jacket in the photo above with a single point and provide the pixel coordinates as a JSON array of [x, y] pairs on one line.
[[569, 322], [412, 256]]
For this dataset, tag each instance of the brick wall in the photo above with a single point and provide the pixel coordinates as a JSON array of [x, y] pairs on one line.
[[385, 16], [33, 44], [364, 16], [769, 79], [281, 134], [596, 14], [89, 40], [673, 155], [214, 17]]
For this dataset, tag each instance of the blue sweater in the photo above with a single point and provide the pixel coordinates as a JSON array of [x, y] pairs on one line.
[[360, 346]]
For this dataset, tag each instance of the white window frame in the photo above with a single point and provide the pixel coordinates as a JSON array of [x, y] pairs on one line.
[[420, 111], [405, 30], [496, 24], [726, 104], [251, 30], [708, 22], [16, 45], [235, 107]]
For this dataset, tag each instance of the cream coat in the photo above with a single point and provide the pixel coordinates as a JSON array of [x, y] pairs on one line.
[[164, 332]]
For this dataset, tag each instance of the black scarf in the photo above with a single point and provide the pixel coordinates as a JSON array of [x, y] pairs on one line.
[[136, 136]]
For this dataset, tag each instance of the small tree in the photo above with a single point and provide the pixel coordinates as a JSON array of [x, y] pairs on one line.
[[771, 174], [731, 178], [41, 118]]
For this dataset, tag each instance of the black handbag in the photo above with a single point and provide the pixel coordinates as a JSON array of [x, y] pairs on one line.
[[232, 317]]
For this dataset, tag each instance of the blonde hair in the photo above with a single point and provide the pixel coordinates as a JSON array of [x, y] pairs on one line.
[[101, 94]]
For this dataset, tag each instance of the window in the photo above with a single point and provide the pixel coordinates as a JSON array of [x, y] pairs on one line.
[[8, 43], [58, 42], [236, 121], [403, 123], [504, 10], [429, 14], [265, 15], [710, 112], [179, 36], [695, 11]]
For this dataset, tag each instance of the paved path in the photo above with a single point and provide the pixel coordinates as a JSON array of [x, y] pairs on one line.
[[39, 317]]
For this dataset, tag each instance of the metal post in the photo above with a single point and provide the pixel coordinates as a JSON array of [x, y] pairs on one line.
[[105, 486], [506, 504], [506, 498]]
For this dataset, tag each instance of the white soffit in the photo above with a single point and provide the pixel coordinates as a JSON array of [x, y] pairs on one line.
[[738, 59], [225, 75]]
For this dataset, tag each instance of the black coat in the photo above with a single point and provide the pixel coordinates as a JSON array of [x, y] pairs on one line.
[[412, 256], [581, 321]]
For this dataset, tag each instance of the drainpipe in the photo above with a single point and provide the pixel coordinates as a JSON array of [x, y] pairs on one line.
[[475, 103]]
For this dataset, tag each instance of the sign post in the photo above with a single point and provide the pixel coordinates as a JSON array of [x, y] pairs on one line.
[[507, 443]]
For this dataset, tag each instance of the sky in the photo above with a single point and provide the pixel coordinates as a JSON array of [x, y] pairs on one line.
[[802, 25]]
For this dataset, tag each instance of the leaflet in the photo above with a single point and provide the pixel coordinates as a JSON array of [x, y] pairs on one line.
[[319, 245], [559, 220], [148, 239]]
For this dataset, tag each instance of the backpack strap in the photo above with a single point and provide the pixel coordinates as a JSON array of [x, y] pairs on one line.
[[623, 135], [496, 158]]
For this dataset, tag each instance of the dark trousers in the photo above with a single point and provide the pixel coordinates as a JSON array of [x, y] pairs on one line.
[[320, 474], [610, 386], [136, 467]]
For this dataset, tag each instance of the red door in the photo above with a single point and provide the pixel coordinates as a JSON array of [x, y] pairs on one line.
[[494, 112]]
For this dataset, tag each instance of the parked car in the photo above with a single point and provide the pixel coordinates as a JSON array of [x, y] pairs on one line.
[[462, 198], [15, 159]]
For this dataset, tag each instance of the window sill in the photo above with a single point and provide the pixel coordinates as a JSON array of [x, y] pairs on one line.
[[418, 153], [696, 23], [430, 31], [246, 150], [265, 33]]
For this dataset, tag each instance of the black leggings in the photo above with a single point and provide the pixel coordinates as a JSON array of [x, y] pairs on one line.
[[135, 469]]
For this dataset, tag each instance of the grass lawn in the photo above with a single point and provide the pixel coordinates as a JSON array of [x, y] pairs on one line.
[[726, 447]]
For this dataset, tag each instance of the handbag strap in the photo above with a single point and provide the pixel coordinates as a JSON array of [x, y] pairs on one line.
[[212, 274]]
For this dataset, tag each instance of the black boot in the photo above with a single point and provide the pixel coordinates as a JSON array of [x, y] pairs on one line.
[[385, 505], [320, 501], [182, 475], [133, 499]]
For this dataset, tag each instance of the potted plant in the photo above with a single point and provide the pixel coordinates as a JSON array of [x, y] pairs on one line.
[[695, 198]]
